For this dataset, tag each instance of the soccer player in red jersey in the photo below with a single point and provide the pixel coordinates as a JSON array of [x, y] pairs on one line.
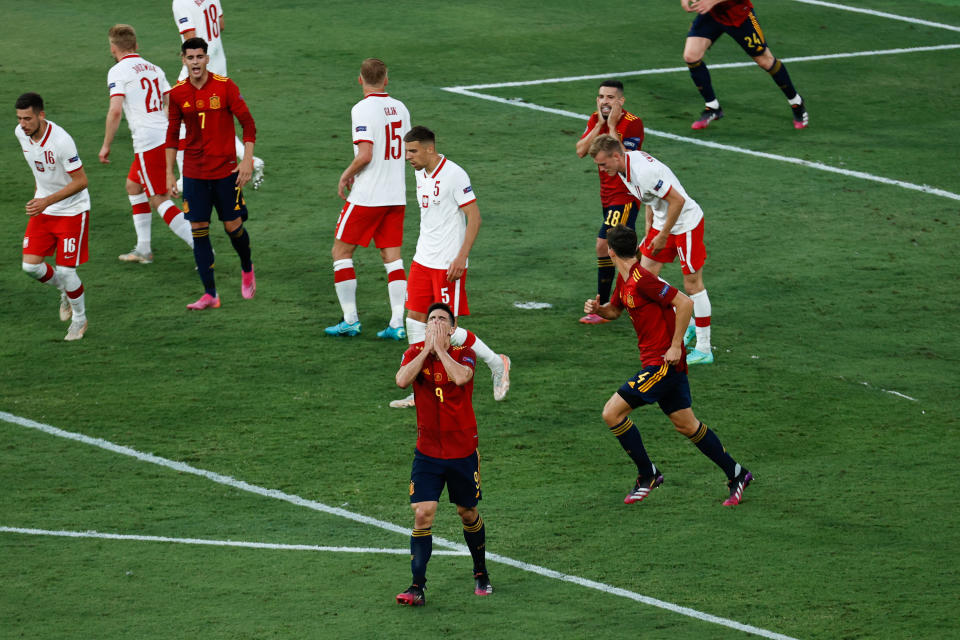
[[736, 18], [446, 451], [207, 103], [659, 313], [617, 205]]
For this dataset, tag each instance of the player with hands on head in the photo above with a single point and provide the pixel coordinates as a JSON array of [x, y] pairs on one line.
[[617, 204], [446, 449]]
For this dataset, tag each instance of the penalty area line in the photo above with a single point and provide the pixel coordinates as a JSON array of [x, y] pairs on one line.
[[218, 543], [389, 526]]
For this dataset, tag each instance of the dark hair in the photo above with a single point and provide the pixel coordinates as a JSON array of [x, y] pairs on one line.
[[623, 241], [616, 84], [444, 307], [30, 101], [193, 43], [420, 134]]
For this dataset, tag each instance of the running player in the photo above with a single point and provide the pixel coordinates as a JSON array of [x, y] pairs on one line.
[[59, 210], [658, 313], [736, 18], [139, 90]]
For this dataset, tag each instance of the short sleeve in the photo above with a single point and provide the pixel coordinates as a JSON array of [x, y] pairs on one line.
[[462, 189], [67, 154], [361, 126], [115, 84], [467, 357]]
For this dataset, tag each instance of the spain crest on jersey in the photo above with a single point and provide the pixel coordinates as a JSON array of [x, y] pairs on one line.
[[214, 102], [630, 303]]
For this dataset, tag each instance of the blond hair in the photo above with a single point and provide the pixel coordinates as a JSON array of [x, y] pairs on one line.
[[123, 37], [606, 143], [373, 71]]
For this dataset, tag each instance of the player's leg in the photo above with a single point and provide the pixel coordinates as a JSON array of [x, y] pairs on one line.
[[355, 227], [605, 269], [463, 485], [140, 207], [426, 485], [709, 445], [389, 238], [693, 255], [72, 232], [616, 414], [198, 205], [703, 33], [232, 210], [653, 262], [750, 37]]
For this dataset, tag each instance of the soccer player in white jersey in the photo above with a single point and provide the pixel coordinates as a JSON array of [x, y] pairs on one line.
[[204, 19], [59, 210], [375, 190], [449, 224], [674, 223], [138, 89]]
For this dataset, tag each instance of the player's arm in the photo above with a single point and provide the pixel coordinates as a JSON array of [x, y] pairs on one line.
[[362, 159], [702, 6], [683, 307], [456, 268], [608, 310], [460, 374], [78, 182], [239, 108], [675, 203], [114, 114], [583, 144], [409, 372], [647, 220]]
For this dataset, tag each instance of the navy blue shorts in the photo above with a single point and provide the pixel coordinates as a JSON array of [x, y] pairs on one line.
[[748, 35], [201, 196], [659, 383], [460, 475], [625, 214]]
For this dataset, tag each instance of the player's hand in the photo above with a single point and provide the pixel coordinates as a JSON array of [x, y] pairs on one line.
[[244, 171], [659, 242], [456, 269], [429, 337], [591, 306], [104, 154], [616, 112], [686, 6], [36, 206], [172, 185], [673, 355], [703, 6], [441, 342], [344, 186]]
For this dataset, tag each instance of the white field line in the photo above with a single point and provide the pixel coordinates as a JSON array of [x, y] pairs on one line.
[[218, 543], [923, 188], [721, 65], [880, 14], [310, 504]]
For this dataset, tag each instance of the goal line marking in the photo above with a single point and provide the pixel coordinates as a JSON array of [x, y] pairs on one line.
[[318, 506], [218, 543]]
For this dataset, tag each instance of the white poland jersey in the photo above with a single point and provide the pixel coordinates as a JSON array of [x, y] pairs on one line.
[[443, 224], [52, 160], [203, 16], [649, 180], [384, 121], [143, 86]]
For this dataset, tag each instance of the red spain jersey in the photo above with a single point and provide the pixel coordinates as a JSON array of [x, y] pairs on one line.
[[648, 299], [630, 133], [732, 13], [446, 425], [208, 113]]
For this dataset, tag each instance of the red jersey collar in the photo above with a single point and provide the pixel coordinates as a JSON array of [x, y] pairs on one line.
[[375, 95], [443, 161], [46, 135], [130, 55]]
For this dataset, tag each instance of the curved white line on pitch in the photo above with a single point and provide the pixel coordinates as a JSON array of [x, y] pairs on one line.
[[310, 504], [923, 188], [218, 543], [881, 14]]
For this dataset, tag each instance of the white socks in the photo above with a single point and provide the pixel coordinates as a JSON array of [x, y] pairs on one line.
[[396, 290], [345, 284], [702, 311]]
